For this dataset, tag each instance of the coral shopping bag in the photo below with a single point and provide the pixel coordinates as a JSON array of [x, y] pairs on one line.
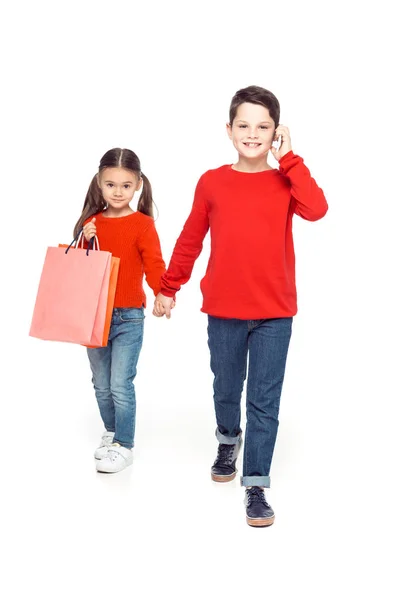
[[110, 300], [111, 296], [71, 302]]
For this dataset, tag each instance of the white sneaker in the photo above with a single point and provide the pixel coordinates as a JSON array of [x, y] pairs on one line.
[[116, 459], [106, 440]]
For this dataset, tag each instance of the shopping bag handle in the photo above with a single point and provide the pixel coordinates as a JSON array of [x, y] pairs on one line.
[[78, 239]]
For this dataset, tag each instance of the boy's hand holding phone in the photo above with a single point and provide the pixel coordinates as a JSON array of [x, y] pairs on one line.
[[282, 143]]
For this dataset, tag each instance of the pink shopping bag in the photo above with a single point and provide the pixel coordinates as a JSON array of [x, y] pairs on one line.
[[71, 302]]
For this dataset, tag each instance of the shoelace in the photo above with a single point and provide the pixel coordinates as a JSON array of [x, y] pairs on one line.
[[225, 453], [112, 454], [256, 494]]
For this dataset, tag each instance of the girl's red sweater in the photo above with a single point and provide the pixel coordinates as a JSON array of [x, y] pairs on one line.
[[134, 240]]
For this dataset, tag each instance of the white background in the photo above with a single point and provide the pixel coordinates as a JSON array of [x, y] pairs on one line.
[[158, 77]]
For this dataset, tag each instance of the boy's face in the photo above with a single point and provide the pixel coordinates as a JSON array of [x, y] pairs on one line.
[[252, 131]]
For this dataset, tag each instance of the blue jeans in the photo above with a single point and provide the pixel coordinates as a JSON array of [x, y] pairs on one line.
[[114, 369], [264, 345]]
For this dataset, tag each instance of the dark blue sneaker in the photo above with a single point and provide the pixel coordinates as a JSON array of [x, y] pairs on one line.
[[258, 511], [224, 467]]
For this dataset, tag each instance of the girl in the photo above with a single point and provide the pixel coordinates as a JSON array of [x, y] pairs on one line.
[[131, 236], [249, 289]]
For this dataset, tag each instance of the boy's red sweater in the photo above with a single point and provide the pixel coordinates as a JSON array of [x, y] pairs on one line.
[[134, 240], [251, 269]]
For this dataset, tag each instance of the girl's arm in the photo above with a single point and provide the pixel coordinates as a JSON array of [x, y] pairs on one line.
[[150, 250], [188, 245], [308, 199]]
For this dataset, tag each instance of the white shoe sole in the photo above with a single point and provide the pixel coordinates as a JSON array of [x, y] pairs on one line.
[[111, 468]]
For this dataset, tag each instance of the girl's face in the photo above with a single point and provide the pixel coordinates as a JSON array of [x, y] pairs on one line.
[[118, 187], [252, 131]]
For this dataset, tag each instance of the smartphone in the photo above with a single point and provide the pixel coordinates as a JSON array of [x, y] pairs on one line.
[[277, 143]]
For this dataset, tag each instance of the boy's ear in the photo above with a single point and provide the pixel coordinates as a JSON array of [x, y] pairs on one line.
[[229, 130]]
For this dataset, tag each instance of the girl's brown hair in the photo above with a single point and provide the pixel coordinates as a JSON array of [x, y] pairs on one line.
[[94, 201]]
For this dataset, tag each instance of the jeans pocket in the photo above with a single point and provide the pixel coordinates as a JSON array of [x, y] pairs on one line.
[[128, 315]]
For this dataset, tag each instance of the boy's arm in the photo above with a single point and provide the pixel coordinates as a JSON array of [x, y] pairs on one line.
[[188, 245], [153, 264], [308, 199]]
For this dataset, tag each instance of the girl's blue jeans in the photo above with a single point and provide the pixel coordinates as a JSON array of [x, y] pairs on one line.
[[114, 369], [262, 345]]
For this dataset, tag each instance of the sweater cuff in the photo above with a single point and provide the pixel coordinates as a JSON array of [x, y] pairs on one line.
[[167, 292], [288, 160]]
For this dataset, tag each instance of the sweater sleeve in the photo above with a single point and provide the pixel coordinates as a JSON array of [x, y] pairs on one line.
[[308, 199], [188, 245], [153, 263]]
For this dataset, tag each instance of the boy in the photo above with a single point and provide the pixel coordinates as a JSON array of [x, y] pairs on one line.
[[249, 290]]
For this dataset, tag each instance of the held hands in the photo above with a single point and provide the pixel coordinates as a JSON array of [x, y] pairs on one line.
[[285, 143], [89, 230], [163, 306]]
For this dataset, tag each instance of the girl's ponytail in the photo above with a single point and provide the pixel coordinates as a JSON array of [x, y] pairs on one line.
[[145, 204], [94, 203]]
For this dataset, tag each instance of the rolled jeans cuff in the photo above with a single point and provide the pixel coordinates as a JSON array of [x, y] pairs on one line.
[[123, 444], [259, 481], [225, 439]]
